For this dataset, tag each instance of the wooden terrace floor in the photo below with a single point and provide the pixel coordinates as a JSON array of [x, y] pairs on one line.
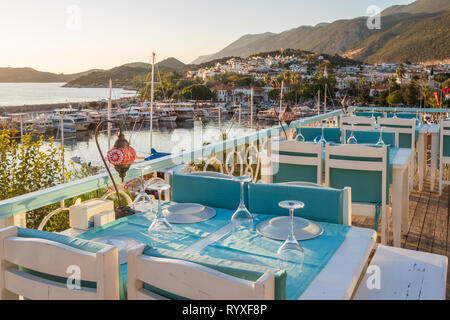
[[429, 224]]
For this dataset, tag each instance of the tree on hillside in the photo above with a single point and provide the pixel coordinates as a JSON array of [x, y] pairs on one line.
[[410, 93], [395, 97], [197, 92], [274, 94]]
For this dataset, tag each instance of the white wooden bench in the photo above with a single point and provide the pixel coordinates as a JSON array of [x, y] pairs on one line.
[[400, 274]]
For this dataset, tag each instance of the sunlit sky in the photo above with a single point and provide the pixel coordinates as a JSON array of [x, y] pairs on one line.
[[48, 35]]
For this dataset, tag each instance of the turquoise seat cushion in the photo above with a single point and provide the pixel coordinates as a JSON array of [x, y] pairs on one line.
[[236, 269], [208, 191], [403, 115], [372, 137], [370, 114], [366, 185], [84, 245], [293, 172], [321, 204], [331, 134], [446, 146]]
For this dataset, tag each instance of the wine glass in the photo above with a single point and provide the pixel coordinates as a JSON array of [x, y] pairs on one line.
[[352, 139], [299, 136], [380, 141], [143, 202], [321, 138], [242, 215], [291, 253], [160, 223]]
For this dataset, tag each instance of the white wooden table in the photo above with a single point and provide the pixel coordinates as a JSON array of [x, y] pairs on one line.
[[400, 193], [338, 280], [434, 130], [422, 154], [422, 146]]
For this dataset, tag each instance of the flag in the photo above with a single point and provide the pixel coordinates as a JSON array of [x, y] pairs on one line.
[[437, 98]]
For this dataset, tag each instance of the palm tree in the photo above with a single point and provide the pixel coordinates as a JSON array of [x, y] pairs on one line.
[[400, 72]]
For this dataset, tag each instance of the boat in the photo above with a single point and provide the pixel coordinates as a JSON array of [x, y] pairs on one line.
[[168, 115], [4, 122], [185, 113], [39, 125], [71, 123]]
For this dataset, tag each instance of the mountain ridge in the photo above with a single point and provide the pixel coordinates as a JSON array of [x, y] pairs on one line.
[[332, 38]]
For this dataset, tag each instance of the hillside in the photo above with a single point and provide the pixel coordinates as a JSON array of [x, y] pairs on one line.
[[339, 36], [415, 39], [123, 76], [27, 75]]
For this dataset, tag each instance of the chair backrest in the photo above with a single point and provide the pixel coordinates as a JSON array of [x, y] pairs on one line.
[[445, 138], [359, 123], [211, 174], [405, 116], [264, 199], [296, 161], [369, 114], [310, 134], [182, 279], [37, 268], [208, 191], [372, 137], [363, 168], [404, 129]]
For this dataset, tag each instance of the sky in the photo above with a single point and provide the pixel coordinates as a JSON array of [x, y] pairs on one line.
[[68, 36]]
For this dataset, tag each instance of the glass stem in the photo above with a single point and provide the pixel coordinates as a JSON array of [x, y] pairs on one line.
[[159, 216], [291, 232], [242, 204]]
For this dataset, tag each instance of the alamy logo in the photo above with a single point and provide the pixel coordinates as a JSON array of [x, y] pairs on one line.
[[374, 19], [374, 280], [74, 279], [74, 18]]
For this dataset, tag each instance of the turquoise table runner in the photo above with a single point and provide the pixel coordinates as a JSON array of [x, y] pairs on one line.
[[241, 245], [249, 246], [180, 238]]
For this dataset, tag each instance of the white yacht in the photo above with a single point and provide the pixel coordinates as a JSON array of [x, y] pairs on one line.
[[39, 125], [71, 122], [168, 115]]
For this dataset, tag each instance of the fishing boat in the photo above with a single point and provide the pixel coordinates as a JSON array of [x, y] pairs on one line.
[[186, 113], [4, 122]]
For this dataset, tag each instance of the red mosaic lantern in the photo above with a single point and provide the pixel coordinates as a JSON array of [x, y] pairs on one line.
[[121, 156]]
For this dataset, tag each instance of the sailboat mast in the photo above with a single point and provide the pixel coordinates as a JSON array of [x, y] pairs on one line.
[[109, 113], [318, 103], [325, 98], [151, 102], [251, 109]]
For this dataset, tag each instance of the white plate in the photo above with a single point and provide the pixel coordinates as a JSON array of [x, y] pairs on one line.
[[122, 243], [187, 213], [278, 229]]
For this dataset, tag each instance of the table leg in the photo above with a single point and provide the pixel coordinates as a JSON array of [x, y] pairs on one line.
[[400, 203], [434, 158], [422, 154]]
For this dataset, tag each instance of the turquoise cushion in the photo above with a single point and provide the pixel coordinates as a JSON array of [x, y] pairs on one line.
[[446, 147], [236, 269], [208, 191], [366, 185], [321, 204], [372, 137], [370, 114], [84, 245], [403, 115], [331, 134], [292, 172]]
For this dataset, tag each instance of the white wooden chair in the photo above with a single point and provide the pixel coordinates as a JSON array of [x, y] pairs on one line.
[[190, 280], [357, 122], [402, 127], [444, 153], [400, 274], [55, 259], [355, 159], [304, 160]]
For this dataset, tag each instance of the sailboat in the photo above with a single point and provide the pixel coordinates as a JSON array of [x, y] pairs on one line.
[[153, 153]]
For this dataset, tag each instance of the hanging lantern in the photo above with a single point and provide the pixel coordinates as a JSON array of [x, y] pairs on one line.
[[121, 156]]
